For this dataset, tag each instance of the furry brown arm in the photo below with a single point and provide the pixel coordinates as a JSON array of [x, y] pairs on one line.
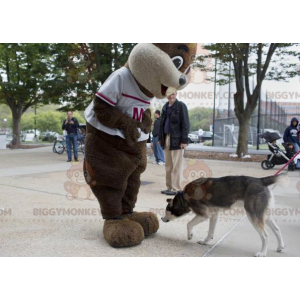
[[147, 121], [113, 118]]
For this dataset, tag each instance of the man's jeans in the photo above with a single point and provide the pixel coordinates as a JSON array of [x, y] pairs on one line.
[[72, 139], [158, 151]]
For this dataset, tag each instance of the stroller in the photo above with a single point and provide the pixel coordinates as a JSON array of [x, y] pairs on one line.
[[278, 156]]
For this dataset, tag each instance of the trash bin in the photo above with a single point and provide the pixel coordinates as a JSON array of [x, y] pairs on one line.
[[2, 141]]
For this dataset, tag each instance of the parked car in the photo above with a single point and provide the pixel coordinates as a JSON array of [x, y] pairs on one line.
[[193, 137], [30, 133], [206, 136], [48, 136]]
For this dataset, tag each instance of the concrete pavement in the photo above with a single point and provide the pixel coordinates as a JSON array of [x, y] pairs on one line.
[[201, 147], [38, 219]]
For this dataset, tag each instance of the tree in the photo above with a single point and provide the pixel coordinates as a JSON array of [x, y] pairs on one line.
[[81, 69], [66, 74], [24, 69], [264, 61], [200, 117]]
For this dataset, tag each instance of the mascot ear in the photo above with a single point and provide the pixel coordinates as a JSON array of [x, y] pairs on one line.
[[182, 54]]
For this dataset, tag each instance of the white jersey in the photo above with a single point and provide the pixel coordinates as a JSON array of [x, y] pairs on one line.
[[122, 91]]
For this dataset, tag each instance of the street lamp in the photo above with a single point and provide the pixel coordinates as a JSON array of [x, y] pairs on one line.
[[5, 121]]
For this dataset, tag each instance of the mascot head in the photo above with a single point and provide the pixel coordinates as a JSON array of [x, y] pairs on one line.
[[162, 68]]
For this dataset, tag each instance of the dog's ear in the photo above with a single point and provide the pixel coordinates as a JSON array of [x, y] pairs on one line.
[[169, 200]]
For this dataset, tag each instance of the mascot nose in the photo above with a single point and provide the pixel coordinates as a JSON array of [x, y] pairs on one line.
[[182, 80]]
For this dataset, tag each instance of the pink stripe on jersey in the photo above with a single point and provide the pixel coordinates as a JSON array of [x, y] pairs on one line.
[[105, 99], [138, 99]]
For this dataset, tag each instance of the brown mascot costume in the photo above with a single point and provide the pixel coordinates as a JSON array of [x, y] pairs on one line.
[[118, 125]]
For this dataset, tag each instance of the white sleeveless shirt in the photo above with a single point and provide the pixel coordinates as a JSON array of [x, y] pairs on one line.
[[120, 90]]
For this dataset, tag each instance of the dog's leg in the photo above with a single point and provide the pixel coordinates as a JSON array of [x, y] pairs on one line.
[[212, 226], [270, 221], [260, 228], [198, 219]]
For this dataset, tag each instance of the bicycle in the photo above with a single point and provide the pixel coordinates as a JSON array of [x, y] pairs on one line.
[[60, 145]]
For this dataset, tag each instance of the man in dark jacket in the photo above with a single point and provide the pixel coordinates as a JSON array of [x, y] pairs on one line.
[[290, 134], [173, 137], [71, 125], [157, 150]]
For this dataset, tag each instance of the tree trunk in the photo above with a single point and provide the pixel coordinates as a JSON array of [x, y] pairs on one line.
[[242, 147], [16, 129]]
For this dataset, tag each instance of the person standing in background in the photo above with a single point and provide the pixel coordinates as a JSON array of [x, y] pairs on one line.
[[157, 150], [200, 133], [290, 134], [173, 137], [71, 125]]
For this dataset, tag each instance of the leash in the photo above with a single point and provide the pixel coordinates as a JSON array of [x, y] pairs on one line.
[[287, 163]]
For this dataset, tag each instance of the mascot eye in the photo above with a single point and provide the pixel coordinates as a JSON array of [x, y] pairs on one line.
[[184, 48], [178, 61]]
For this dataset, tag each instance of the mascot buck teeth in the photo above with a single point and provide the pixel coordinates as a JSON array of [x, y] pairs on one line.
[[118, 126]]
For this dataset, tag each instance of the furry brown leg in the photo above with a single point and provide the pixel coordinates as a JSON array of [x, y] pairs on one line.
[[147, 220], [123, 233], [134, 182], [109, 162]]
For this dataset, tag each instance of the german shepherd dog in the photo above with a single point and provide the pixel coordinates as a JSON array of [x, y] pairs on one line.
[[207, 196]]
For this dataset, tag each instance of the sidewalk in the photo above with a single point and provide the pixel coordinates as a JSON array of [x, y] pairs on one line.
[[201, 147], [37, 219]]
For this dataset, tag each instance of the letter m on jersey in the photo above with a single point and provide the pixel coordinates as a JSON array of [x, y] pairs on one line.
[[137, 113]]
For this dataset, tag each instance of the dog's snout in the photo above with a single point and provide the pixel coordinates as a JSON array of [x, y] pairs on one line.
[[182, 80]]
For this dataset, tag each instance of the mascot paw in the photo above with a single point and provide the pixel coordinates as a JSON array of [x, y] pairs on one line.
[[123, 233], [147, 220]]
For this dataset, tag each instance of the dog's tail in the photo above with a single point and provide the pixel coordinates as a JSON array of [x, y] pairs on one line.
[[282, 180]]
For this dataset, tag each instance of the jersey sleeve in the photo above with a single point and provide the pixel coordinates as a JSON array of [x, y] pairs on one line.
[[111, 90]]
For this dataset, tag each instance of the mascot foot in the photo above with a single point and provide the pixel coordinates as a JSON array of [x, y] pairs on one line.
[[123, 233], [147, 220]]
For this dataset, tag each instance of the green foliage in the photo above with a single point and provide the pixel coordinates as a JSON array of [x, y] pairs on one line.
[[208, 143], [200, 117], [82, 68], [47, 120], [65, 74], [51, 121], [24, 69], [5, 113], [27, 121]]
